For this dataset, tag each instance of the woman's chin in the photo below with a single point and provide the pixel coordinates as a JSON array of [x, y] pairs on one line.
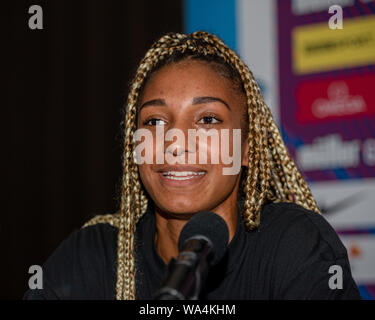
[[183, 209]]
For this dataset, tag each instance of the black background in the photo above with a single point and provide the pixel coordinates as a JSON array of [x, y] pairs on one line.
[[65, 91]]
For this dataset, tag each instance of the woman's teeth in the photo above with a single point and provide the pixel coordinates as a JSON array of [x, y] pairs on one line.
[[182, 175]]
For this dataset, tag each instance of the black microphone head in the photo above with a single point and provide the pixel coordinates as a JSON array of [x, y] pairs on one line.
[[210, 225]]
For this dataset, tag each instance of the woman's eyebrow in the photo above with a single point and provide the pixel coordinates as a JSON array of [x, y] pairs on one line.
[[198, 100], [154, 102]]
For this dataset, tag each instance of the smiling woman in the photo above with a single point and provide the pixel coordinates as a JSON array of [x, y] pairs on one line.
[[195, 97], [280, 246]]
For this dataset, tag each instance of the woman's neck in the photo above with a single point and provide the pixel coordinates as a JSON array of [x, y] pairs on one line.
[[168, 228]]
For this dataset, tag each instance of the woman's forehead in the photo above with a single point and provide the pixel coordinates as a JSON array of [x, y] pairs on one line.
[[193, 77]]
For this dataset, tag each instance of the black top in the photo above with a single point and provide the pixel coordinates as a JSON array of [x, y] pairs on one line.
[[287, 257]]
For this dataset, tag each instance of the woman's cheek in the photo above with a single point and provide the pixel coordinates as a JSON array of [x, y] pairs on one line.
[[225, 149]]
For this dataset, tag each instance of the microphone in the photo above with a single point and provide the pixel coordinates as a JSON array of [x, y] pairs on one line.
[[202, 244]]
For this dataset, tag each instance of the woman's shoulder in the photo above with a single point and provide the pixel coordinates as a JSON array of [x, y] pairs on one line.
[[83, 265], [96, 235], [112, 219], [301, 248], [292, 223], [95, 240]]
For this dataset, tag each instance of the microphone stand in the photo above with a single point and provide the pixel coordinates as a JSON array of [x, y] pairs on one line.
[[187, 273]]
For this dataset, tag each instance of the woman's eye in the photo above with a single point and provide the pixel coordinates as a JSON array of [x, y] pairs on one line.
[[154, 122], [209, 120]]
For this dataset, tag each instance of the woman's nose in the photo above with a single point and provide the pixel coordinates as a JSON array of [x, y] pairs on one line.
[[176, 140], [176, 150]]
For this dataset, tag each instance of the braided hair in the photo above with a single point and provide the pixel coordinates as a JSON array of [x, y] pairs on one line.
[[271, 176]]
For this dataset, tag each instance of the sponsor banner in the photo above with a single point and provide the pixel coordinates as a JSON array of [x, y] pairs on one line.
[[327, 117], [330, 157], [338, 98], [348, 205], [303, 7], [361, 249], [317, 48]]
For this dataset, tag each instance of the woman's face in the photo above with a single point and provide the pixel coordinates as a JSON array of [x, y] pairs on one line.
[[191, 95]]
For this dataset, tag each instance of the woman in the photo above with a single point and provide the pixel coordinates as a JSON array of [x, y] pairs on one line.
[[280, 246]]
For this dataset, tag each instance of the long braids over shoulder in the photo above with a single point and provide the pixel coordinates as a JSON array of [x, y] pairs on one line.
[[273, 178]]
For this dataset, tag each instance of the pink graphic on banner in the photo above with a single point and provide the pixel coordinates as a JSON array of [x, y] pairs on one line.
[[336, 99]]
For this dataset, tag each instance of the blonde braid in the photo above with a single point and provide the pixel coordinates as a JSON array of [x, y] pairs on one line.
[[294, 180], [272, 174], [293, 184], [133, 200], [257, 139]]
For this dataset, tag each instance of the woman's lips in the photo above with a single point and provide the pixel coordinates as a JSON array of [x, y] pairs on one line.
[[182, 178], [182, 175]]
